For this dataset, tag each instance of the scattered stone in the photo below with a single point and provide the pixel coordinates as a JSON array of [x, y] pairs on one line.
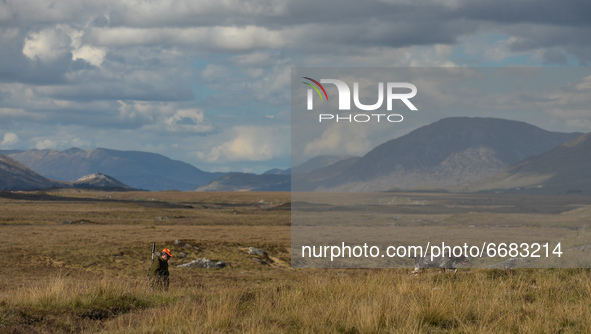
[[183, 255], [176, 242], [199, 263], [443, 262], [256, 251], [203, 263], [187, 246], [196, 248], [67, 222]]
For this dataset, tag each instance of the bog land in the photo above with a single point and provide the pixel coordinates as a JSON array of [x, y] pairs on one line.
[[76, 261]]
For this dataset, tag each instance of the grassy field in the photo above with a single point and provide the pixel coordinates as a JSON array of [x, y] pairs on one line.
[[77, 262]]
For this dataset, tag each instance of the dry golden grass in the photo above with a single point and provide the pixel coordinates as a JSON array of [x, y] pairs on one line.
[[315, 301], [92, 277]]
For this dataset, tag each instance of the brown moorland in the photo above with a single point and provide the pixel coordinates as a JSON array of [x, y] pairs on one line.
[[76, 261]]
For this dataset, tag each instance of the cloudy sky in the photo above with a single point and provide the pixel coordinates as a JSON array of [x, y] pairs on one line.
[[208, 82]]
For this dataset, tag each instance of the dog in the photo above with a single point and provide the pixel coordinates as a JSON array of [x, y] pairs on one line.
[[443, 262]]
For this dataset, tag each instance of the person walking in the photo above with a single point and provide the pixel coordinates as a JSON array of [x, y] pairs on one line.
[[159, 275]]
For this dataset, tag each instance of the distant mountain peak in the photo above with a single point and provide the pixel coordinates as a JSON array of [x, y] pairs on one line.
[[99, 180]]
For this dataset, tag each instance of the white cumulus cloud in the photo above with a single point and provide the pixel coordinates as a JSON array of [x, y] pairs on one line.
[[47, 45], [189, 120], [92, 55], [45, 144], [250, 143], [10, 138], [50, 44]]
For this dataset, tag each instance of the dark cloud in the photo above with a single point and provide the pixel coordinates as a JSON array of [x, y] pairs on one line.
[[572, 13], [400, 22]]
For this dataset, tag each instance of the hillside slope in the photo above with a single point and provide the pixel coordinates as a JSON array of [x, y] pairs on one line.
[[16, 176], [566, 168]]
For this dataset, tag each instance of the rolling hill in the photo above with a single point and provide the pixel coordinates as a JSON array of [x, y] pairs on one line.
[[249, 182]]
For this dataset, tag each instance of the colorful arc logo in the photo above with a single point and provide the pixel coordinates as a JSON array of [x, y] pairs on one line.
[[316, 89]]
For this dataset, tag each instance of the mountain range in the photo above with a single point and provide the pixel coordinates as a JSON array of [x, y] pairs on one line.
[[141, 170], [445, 153], [457, 154], [437, 156], [16, 176]]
